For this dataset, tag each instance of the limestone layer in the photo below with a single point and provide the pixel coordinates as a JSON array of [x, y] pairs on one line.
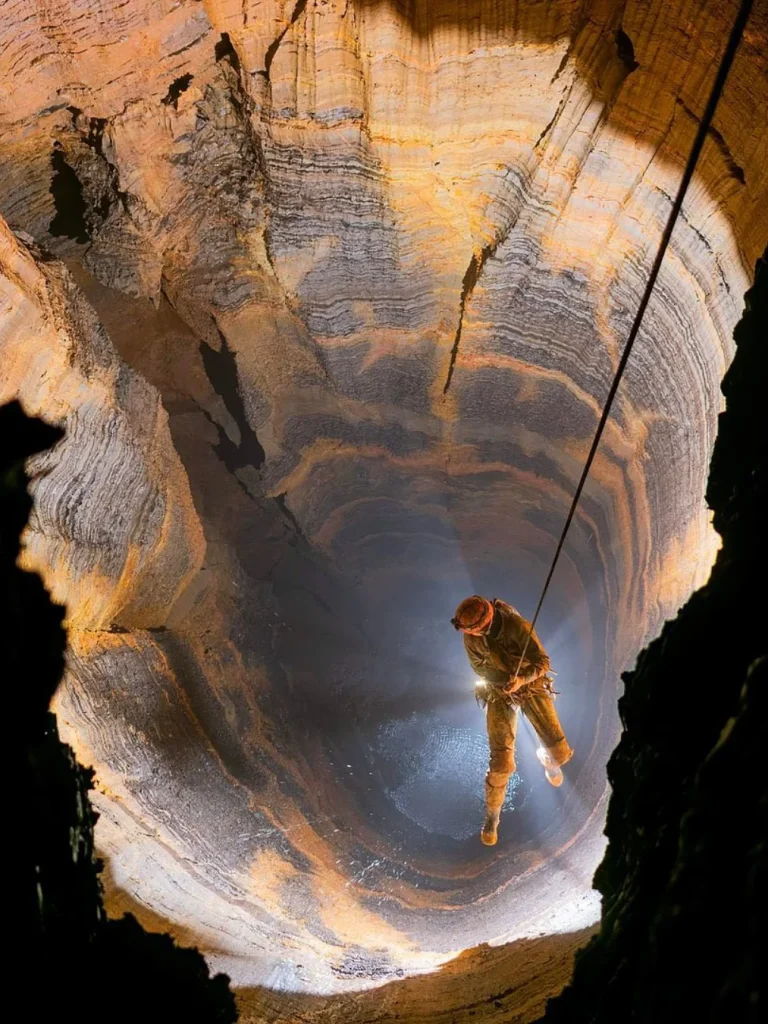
[[114, 531], [377, 261]]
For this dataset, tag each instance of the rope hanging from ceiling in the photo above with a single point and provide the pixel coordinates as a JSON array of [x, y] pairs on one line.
[[698, 143]]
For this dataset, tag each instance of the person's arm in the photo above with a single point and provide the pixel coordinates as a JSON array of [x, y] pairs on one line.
[[536, 661], [482, 664]]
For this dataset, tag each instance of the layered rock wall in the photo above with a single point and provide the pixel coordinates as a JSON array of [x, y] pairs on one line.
[[377, 259], [115, 533], [686, 824], [65, 936]]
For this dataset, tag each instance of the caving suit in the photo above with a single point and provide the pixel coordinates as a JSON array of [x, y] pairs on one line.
[[495, 657]]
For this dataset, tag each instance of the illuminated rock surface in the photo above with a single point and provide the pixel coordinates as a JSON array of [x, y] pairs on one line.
[[114, 530], [688, 853], [68, 953], [377, 263]]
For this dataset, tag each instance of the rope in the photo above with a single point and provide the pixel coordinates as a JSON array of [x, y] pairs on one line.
[[704, 125]]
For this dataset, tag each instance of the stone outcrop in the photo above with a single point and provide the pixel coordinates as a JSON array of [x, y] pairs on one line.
[[377, 259]]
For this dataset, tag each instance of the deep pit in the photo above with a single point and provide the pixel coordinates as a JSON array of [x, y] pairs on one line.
[[347, 332]]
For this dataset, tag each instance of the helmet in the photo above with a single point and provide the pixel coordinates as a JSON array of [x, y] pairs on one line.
[[474, 615]]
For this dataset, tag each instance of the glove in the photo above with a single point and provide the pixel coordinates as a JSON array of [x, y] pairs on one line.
[[513, 685]]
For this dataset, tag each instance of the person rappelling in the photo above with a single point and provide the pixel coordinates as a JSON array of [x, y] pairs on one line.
[[495, 638]]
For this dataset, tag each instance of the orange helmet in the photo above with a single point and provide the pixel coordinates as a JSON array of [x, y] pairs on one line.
[[474, 615]]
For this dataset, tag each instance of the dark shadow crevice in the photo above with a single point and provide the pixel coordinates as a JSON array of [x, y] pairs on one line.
[[70, 220]]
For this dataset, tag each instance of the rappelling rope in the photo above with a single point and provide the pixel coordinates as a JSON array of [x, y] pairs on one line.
[[725, 66]]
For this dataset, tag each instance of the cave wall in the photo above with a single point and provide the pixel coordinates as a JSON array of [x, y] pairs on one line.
[[686, 860], [323, 184], [380, 312], [68, 956], [114, 530]]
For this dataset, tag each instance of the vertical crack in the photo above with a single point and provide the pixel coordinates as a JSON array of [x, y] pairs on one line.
[[280, 501], [733, 168], [471, 277], [274, 46], [573, 41], [224, 50], [221, 369]]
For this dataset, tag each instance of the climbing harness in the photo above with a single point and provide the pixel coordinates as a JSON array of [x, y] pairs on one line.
[[704, 126], [487, 693]]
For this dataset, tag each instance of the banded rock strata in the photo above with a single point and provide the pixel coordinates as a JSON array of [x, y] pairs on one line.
[[114, 532], [377, 259]]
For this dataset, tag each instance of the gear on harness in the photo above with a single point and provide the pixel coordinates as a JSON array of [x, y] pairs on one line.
[[486, 692], [481, 693]]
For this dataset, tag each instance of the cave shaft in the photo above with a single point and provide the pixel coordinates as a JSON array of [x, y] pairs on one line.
[[328, 297]]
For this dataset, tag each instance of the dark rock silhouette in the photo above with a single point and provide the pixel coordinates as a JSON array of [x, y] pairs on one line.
[[73, 959]]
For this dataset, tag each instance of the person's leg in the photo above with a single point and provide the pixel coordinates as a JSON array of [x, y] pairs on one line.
[[555, 750], [501, 722]]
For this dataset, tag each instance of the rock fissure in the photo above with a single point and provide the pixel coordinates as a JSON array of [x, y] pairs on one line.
[[67, 191], [715, 135], [224, 50], [274, 46], [221, 368], [290, 518], [175, 89], [625, 50], [471, 277]]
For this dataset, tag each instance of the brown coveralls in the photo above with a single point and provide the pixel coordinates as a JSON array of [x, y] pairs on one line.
[[494, 657]]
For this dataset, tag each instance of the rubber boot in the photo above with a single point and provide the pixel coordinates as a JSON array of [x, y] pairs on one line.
[[552, 771], [490, 836]]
